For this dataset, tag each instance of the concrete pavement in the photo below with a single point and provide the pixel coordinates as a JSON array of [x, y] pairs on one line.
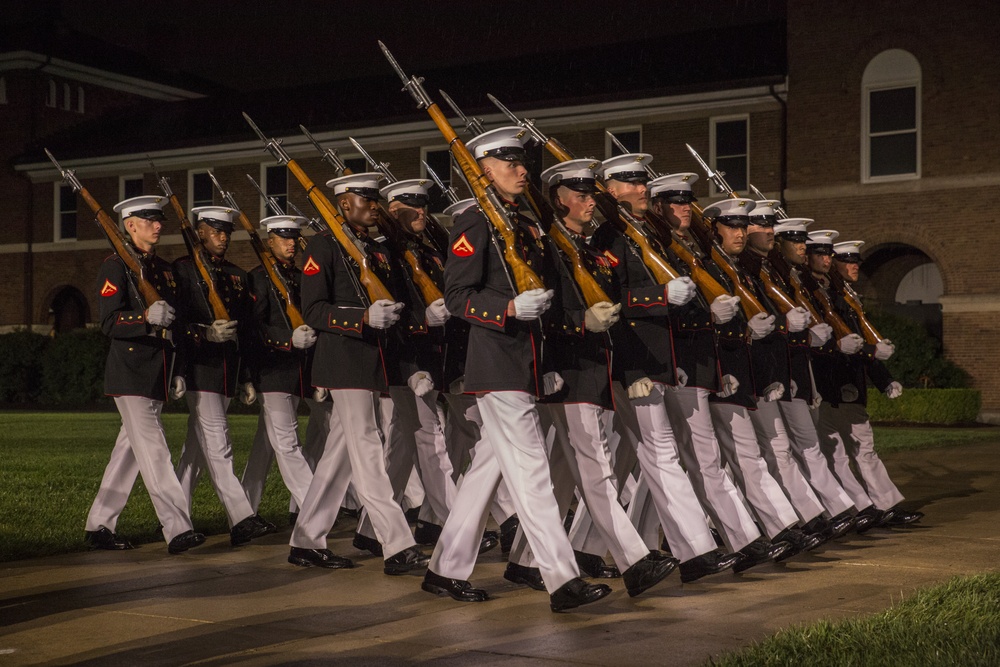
[[217, 605]]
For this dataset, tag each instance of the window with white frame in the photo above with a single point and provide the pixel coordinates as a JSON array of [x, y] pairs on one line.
[[200, 191], [729, 141], [130, 186], [275, 183], [80, 100], [890, 117], [439, 159], [67, 97], [65, 213], [357, 165], [50, 99], [630, 137]]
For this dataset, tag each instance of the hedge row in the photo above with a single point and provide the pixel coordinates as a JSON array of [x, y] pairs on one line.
[[925, 406], [65, 370]]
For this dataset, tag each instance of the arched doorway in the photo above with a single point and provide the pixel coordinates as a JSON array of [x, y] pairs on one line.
[[69, 310], [903, 280]]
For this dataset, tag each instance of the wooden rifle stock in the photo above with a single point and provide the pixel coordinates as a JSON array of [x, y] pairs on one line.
[[830, 314], [751, 306], [710, 288], [429, 290], [270, 264], [774, 292], [802, 296], [868, 330]]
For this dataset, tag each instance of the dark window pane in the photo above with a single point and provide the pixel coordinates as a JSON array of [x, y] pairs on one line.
[[67, 225], [892, 110], [67, 198], [731, 138], [631, 140], [133, 188], [201, 186], [894, 154], [440, 162], [276, 180], [356, 165], [735, 170]]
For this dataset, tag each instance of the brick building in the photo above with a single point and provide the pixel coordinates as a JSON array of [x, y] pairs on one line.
[[866, 116]]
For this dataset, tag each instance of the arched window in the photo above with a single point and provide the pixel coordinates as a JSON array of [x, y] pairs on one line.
[[890, 117], [67, 100], [80, 102], [50, 100]]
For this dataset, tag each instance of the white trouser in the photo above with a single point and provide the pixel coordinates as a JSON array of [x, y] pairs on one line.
[[691, 419], [512, 442], [141, 448], [354, 445], [681, 515], [277, 436], [776, 446], [208, 446], [461, 435], [317, 431], [801, 429], [415, 436], [738, 440], [845, 435]]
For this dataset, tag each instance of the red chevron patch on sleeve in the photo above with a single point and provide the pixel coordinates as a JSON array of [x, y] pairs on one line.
[[109, 288], [462, 247], [611, 257], [311, 268]]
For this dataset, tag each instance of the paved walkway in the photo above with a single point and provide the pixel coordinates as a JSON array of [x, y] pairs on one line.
[[217, 605]]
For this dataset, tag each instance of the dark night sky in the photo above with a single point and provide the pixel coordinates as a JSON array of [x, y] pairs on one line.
[[254, 45]]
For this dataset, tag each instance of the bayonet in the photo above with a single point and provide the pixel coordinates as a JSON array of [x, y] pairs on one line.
[[448, 191], [526, 123], [413, 85], [271, 201], [380, 167], [68, 174], [778, 210], [329, 155], [272, 145], [717, 177], [473, 125], [162, 180], [226, 196], [649, 168]]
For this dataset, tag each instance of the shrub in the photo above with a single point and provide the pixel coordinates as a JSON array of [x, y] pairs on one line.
[[21, 366], [73, 369], [918, 361], [925, 406]]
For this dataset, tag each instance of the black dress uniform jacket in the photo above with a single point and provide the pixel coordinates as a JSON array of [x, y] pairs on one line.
[[694, 334], [278, 365], [215, 367], [769, 355], [733, 344], [504, 353], [417, 345], [348, 353], [642, 340], [799, 354], [140, 358]]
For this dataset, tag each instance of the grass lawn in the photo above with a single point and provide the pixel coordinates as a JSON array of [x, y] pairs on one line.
[[956, 623]]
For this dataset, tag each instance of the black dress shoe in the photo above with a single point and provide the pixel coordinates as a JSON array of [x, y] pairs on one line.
[[458, 589], [595, 567], [648, 572], [407, 560], [897, 516], [354, 514], [369, 544], [529, 576], [575, 593], [840, 525], [508, 530], [708, 563], [867, 519], [665, 548], [718, 538], [102, 538], [426, 533], [490, 541], [758, 552], [292, 518], [412, 514], [250, 528], [185, 541], [798, 540], [319, 558]]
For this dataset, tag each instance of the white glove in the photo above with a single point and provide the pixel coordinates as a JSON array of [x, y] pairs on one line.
[[320, 394], [531, 304], [894, 390], [421, 383], [247, 393], [724, 308], [729, 386], [851, 343], [773, 392], [601, 316], [797, 319], [884, 349], [641, 388], [436, 313], [760, 325], [221, 331], [303, 337], [819, 334], [178, 387], [680, 290], [817, 401], [160, 314], [682, 377], [794, 388], [384, 313], [552, 382]]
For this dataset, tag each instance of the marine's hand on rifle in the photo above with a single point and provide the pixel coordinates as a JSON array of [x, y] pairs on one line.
[[819, 334], [178, 387], [421, 383], [894, 390], [760, 325], [797, 319], [884, 349], [221, 331], [601, 316], [724, 308], [552, 382], [248, 395], [303, 337], [383, 313], [641, 388], [729, 386], [530, 304], [436, 313], [161, 314], [773, 392], [851, 343], [681, 290]]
